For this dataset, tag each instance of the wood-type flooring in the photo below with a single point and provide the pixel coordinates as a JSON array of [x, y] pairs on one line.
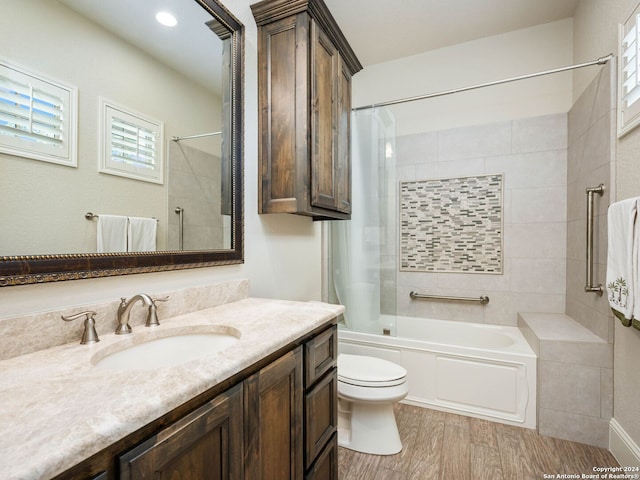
[[444, 446]]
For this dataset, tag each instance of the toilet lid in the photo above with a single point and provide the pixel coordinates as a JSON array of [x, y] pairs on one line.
[[369, 371]]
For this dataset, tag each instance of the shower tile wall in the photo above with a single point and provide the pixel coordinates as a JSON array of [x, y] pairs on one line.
[[591, 128], [532, 156], [194, 184], [589, 370]]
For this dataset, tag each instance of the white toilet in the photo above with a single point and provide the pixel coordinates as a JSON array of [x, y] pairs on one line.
[[367, 389]]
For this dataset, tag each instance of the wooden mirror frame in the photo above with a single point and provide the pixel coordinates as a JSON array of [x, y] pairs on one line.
[[30, 269]]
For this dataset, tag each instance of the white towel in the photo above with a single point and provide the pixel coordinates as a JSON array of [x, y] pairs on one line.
[[622, 257], [142, 234], [112, 233]]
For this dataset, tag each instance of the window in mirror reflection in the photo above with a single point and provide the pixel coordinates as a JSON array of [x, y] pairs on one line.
[[37, 116], [131, 144]]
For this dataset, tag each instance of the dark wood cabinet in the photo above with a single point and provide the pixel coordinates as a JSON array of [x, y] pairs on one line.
[[305, 67], [205, 444], [321, 406], [273, 415], [326, 464]]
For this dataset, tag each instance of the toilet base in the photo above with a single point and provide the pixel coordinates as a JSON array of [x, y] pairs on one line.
[[368, 428]]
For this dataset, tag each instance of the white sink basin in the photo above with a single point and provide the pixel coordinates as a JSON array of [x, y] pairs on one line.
[[171, 349]]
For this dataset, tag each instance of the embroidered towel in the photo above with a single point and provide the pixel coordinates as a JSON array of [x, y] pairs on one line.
[[112, 233], [142, 234], [621, 272]]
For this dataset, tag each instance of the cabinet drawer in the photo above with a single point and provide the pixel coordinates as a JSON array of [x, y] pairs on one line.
[[321, 354], [321, 419], [326, 465]]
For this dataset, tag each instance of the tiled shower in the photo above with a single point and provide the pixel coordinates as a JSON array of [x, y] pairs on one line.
[[523, 182]]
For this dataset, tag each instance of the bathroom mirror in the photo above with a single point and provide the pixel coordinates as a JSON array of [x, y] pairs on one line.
[[185, 81]]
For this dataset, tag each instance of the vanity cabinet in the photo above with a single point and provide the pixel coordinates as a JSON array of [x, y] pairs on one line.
[[275, 420], [305, 67]]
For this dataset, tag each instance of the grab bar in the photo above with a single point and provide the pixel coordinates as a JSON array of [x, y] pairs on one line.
[[590, 288], [483, 299], [180, 212]]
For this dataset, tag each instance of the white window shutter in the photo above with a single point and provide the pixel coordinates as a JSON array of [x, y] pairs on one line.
[[38, 117]]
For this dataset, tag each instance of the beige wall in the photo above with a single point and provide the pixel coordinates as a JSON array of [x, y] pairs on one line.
[[595, 34], [488, 59], [282, 252]]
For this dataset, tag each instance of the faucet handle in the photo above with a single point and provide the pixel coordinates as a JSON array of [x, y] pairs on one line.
[[89, 335], [152, 315]]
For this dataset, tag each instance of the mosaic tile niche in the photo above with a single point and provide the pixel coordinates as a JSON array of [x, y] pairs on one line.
[[452, 225]]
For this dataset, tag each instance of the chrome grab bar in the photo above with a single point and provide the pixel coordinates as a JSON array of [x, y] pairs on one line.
[[483, 299], [590, 288]]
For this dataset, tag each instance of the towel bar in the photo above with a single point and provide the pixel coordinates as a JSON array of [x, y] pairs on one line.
[[483, 300], [590, 288], [91, 216]]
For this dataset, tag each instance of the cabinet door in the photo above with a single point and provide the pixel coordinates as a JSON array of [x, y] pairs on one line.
[[273, 420], [205, 444], [325, 61], [343, 139]]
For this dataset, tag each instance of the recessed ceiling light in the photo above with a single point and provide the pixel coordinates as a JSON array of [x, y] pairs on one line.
[[166, 19]]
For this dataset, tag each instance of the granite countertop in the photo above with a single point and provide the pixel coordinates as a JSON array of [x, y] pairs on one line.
[[58, 409]]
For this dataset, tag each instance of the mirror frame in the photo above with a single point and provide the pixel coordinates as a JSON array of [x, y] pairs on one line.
[[30, 269]]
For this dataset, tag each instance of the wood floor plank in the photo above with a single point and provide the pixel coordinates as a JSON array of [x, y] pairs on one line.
[[455, 452], [483, 432], [485, 463]]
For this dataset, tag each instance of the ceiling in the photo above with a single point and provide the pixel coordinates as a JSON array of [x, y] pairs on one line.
[[383, 30], [190, 47]]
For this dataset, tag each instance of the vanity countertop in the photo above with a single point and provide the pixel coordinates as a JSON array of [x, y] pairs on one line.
[[58, 409]]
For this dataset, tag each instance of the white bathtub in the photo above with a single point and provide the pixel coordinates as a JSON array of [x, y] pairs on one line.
[[480, 370]]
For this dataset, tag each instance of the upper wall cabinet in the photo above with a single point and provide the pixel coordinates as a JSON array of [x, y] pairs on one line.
[[305, 67]]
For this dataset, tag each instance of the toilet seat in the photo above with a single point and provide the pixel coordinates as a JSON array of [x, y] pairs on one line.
[[369, 372]]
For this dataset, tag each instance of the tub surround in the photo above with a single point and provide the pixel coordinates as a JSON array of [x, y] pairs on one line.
[[531, 155], [60, 410]]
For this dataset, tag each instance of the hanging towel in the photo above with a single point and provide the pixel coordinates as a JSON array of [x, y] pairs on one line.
[[622, 258], [636, 268], [112, 233], [142, 234]]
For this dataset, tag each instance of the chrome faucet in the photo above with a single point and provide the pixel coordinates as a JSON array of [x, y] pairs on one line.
[[124, 312]]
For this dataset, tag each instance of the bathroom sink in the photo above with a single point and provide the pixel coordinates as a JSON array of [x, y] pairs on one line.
[[171, 349]]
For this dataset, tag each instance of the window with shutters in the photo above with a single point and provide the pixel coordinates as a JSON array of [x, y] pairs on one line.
[[629, 74], [132, 144], [38, 117]]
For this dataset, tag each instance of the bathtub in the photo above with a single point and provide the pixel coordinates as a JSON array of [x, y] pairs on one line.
[[479, 370]]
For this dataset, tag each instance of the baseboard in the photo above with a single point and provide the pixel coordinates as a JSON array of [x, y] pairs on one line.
[[622, 446]]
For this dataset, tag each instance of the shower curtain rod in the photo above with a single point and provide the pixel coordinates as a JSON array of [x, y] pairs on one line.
[[177, 139], [599, 61]]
